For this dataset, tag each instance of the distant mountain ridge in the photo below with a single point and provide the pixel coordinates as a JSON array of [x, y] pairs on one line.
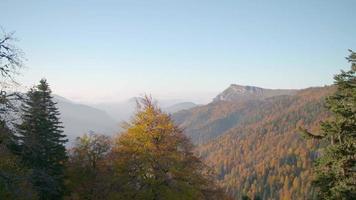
[[242, 93], [248, 135], [252, 141], [78, 119], [122, 111], [179, 107], [229, 108], [105, 119]]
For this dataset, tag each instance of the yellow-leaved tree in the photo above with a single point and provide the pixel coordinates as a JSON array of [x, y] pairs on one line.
[[155, 160]]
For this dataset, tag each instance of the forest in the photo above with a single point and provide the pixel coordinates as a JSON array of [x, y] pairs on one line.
[[150, 159], [300, 146]]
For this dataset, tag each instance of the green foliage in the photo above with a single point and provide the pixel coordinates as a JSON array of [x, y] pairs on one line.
[[335, 169], [245, 197], [42, 142]]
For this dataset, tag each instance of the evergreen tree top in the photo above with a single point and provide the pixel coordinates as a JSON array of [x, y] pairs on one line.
[[335, 169]]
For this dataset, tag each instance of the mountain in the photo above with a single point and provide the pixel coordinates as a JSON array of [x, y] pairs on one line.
[[180, 106], [119, 111], [252, 142], [101, 118], [122, 111], [79, 119], [243, 93], [230, 107]]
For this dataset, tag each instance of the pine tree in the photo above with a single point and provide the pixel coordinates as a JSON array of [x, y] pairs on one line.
[[42, 142], [336, 168], [155, 160]]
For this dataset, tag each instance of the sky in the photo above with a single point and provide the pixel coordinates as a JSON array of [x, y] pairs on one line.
[[106, 51]]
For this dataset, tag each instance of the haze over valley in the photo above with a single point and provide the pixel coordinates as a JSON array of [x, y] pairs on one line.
[[225, 111], [177, 100]]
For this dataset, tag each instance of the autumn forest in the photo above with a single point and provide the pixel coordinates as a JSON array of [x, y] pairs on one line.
[[85, 132]]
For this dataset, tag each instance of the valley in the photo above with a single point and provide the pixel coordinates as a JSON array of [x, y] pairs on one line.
[[249, 136]]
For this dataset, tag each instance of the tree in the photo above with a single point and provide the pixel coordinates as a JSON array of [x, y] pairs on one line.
[[10, 62], [155, 160], [245, 197], [89, 171], [257, 197], [335, 174], [11, 57], [42, 142], [13, 175]]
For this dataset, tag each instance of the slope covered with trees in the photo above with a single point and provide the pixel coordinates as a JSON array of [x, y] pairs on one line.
[[260, 151], [249, 136]]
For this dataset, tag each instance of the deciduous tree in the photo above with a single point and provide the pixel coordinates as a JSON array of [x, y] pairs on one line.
[[89, 169], [155, 160], [13, 175]]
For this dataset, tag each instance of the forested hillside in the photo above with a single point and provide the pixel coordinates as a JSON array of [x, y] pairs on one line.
[[243, 93], [235, 105], [177, 100], [263, 155]]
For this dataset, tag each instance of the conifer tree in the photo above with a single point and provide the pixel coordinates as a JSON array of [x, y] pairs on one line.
[[155, 160], [336, 168], [42, 142]]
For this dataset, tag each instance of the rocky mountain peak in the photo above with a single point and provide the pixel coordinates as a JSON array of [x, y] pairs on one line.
[[241, 93]]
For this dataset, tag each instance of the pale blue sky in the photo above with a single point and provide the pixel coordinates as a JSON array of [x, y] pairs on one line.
[[111, 50]]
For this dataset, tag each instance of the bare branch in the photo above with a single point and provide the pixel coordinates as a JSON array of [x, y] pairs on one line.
[[11, 57]]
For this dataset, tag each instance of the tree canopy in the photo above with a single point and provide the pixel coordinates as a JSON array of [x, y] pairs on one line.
[[155, 159], [335, 170], [41, 142]]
